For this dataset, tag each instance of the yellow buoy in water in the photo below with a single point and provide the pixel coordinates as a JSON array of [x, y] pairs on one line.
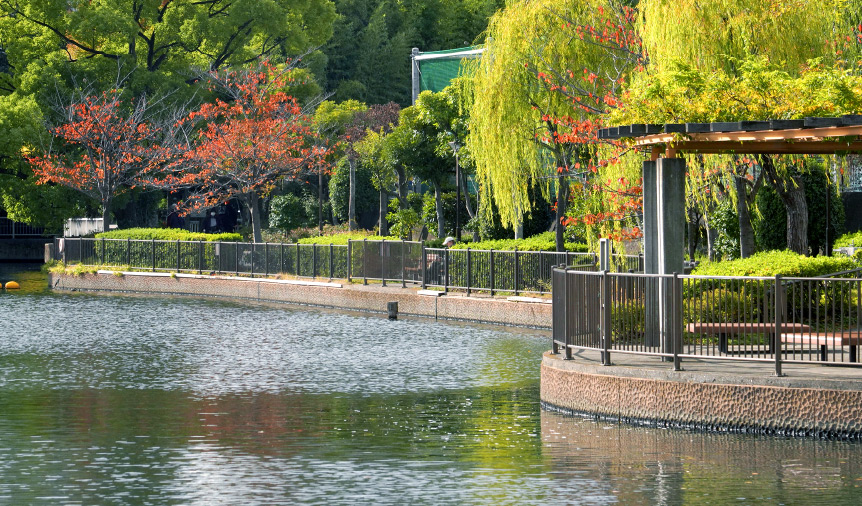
[[12, 285]]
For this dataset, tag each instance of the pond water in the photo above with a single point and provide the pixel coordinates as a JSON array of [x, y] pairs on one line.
[[167, 400]]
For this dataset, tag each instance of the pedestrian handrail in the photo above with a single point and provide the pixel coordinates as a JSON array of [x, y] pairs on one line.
[[16, 230], [386, 261], [679, 317], [203, 257]]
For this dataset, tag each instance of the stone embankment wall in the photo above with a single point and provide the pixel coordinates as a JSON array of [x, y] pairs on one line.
[[713, 401], [517, 311]]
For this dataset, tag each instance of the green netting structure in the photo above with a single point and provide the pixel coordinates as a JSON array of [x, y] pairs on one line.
[[436, 69]]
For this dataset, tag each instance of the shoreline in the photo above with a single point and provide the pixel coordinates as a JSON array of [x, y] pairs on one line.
[[527, 312]]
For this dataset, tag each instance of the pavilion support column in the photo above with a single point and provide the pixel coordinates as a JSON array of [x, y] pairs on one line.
[[670, 205], [651, 234]]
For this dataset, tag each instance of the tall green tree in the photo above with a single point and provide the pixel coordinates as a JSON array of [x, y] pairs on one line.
[[759, 46], [539, 97]]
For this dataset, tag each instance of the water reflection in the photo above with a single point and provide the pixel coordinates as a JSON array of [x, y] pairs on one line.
[[662, 466], [142, 400]]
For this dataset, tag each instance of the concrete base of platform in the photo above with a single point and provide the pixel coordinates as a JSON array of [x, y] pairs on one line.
[[712, 395], [342, 295]]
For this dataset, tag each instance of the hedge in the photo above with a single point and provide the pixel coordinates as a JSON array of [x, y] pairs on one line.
[[167, 234], [541, 242], [771, 263], [341, 239], [846, 240]]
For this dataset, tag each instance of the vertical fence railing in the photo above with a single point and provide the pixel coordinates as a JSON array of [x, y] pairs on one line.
[[676, 317]]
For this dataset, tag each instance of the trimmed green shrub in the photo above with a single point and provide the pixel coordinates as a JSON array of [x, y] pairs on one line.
[[167, 234], [541, 242], [343, 238], [771, 263], [851, 239]]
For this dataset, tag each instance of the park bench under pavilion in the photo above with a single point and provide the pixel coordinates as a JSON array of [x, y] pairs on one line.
[[664, 178]]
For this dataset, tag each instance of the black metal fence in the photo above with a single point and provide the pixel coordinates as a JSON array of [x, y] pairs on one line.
[[303, 260], [516, 272], [776, 320], [14, 230]]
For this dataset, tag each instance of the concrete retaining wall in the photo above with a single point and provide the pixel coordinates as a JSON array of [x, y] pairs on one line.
[[707, 401], [525, 312]]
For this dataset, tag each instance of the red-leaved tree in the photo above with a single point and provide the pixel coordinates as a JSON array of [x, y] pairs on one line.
[[104, 146], [240, 147]]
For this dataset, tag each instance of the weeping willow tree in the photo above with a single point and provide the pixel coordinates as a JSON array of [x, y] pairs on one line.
[[538, 94], [743, 60], [716, 34]]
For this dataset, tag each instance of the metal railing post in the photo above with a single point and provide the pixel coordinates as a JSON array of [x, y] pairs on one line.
[[567, 337], [266, 259], [677, 321], [606, 318], [104, 259], [364, 263], [469, 277], [281, 258], [128, 252], [778, 324], [516, 271], [446, 271], [252, 257], [154, 254], [314, 261], [383, 261], [178, 255], [555, 303], [330, 261], [298, 264], [424, 264], [350, 259], [403, 266], [236, 258], [491, 268]]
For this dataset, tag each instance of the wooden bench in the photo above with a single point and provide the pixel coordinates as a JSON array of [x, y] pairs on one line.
[[723, 330], [851, 338]]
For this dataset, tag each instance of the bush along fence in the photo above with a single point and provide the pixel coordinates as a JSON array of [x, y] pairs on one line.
[[401, 262], [776, 320]]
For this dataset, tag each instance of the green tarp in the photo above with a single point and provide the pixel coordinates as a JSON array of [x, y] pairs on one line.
[[438, 68]]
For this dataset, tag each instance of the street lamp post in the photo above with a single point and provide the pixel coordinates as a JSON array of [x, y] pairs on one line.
[[455, 147]]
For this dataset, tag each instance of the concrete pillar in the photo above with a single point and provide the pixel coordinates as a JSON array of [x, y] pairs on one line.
[[650, 209], [417, 76], [670, 186], [604, 254], [670, 182], [651, 233]]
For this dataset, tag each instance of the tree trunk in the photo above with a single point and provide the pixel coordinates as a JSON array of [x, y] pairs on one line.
[[106, 215], [466, 194], [438, 202], [320, 202], [797, 219], [791, 190], [746, 230], [384, 205], [693, 231], [351, 203], [253, 203], [402, 186], [562, 199]]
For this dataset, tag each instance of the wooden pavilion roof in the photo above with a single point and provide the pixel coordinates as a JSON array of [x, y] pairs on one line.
[[804, 136]]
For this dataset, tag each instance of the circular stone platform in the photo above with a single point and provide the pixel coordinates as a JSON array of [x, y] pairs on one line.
[[810, 400]]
